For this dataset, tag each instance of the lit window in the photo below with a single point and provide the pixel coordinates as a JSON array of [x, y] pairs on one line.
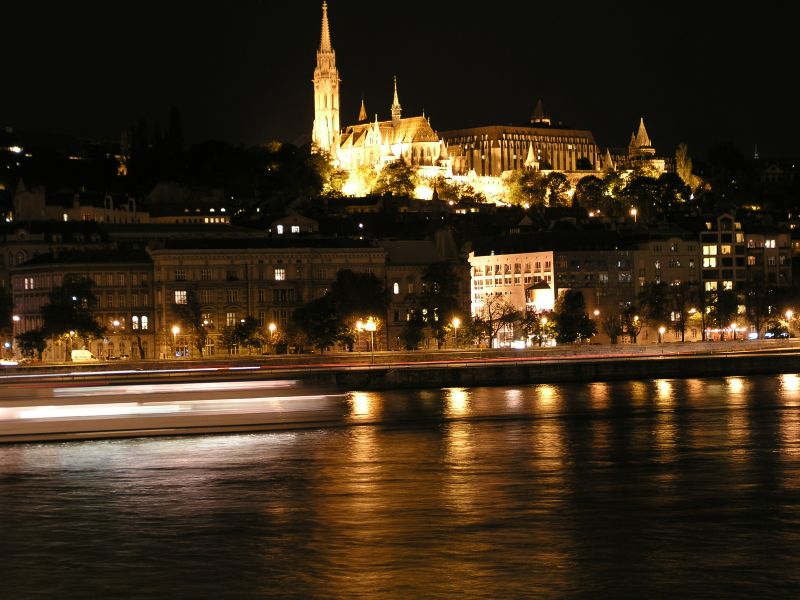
[[727, 285], [709, 262], [280, 274], [710, 250], [135, 322], [769, 244], [725, 249], [180, 296], [279, 229], [711, 286], [396, 288], [295, 228], [230, 319], [144, 322]]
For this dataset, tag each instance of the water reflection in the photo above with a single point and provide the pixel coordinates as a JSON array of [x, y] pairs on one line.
[[456, 402], [621, 489]]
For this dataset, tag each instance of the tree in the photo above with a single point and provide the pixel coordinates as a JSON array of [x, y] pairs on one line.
[[613, 326], [684, 297], [526, 187], [654, 303], [190, 317], [413, 330], [631, 323], [320, 322], [68, 312], [248, 332], [724, 310], [539, 325], [32, 342], [558, 189], [572, 322], [495, 314], [439, 299], [356, 296], [396, 178], [590, 193], [683, 167]]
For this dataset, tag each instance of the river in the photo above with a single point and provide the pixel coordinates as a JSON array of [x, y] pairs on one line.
[[640, 489]]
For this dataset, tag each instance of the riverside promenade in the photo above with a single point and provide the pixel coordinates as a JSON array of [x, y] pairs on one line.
[[450, 367]]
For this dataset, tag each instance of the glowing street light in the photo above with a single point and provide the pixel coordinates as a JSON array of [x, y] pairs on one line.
[[371, 326], [789, 314], [175, 331], [733, 329], [541, 331], [14, 320], [456, 325], [661, 331], [272, 327], [634, 212]]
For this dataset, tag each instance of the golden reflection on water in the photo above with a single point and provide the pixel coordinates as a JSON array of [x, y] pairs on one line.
[[513, 398], [638, 390], [547, 397], [459, 481], [599, 395], [790, 389], [666, 430], [737, 417], [363, 406], [456, 402]]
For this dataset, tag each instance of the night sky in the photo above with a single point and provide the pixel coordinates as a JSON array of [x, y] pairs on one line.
[[241, 71]]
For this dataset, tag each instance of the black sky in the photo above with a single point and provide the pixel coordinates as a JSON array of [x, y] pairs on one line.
[[241, 71]]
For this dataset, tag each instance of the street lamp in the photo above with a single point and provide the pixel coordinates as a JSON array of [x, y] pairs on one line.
[[596, 313], [456, 324], [14, 321], [634, 212], [541, 331], [371, 326], [175, 331], [733, 329], [272, 327], [359, 328], [661, 331]]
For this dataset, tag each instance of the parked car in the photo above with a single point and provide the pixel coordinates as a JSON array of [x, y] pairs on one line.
[[776, 333]]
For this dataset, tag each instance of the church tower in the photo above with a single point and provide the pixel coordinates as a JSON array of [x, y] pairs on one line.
[[326, 92], [397, 110]]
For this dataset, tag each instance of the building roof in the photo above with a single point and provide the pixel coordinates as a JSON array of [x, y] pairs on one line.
[[85, 257], [266, 243]]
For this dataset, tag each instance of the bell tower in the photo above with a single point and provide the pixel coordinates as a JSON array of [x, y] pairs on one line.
[[326, 92]]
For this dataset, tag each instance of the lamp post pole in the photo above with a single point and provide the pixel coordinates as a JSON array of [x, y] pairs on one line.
[[175, 331], [456, 324], [14, 321], [371, 326]]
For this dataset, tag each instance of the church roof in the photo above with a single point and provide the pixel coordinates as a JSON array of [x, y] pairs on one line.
[[406, 131], [642, 139]]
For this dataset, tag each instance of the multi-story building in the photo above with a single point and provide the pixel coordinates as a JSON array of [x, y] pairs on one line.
[[531, 271], [406, 262], [122, 283], [266, 279]]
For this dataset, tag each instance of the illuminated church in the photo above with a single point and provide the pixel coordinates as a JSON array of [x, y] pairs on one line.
[[480, 156], [370, 143]]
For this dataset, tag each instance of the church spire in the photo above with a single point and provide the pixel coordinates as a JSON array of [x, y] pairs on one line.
[[642, 139], [396, 109], [325, 133], [325, 38], [362, 114]]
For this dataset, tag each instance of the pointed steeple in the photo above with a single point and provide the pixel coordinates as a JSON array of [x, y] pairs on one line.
[[530, 160], [325, 38], [642, 139], [538, 117], [608, 162], [362, 114], [396, 109], [325, 133]]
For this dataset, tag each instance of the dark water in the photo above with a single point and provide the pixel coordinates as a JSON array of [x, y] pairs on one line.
[[666, 488]]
